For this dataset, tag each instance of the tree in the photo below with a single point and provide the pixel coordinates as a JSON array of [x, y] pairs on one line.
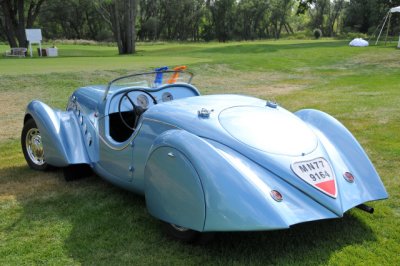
[[325, 14], [281, 10], [364, 16], [336, 9], [181, 19], [15, 17], [250, 17], [304, 5], [317, 14], [121, 16], [222, 17], [73, 19], [149, 20]]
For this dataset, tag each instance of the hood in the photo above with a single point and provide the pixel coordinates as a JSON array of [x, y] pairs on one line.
[[89, 98], [239, 121], [271, 130]]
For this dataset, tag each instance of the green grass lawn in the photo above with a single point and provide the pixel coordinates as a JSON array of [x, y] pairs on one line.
[[44, 220]]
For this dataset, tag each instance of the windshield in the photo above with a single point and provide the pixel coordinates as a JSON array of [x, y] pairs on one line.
[[149, 80]]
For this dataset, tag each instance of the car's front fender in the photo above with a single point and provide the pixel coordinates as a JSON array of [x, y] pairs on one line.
[[61, 135]]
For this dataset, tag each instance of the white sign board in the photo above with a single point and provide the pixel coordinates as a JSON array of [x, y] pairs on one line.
[[34, 36]]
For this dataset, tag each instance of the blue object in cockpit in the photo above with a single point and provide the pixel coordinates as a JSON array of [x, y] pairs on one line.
[[159, 75]]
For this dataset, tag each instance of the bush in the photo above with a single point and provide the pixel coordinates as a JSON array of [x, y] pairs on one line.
[[300, 35], [352, 35], [81, 42], [317, 33]]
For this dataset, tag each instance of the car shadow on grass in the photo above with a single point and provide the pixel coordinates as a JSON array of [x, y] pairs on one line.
[[96, 223], [304, 244]]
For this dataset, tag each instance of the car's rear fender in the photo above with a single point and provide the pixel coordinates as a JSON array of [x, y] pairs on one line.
[[172, 186], [233, 191], [345, 152], [61, 135]]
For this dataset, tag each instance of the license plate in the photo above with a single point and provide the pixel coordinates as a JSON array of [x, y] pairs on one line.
[[318, 173]]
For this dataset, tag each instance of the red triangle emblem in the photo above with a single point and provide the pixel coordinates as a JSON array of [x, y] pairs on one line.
[[328, 187], [318, 173]]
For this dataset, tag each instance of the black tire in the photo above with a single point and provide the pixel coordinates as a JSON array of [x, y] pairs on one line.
[[76, 171], [32, 147], [186, 235]]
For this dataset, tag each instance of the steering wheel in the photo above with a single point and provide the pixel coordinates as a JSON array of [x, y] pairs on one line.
[[136, 110]]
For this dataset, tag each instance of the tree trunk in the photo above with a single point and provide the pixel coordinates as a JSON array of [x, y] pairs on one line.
[[121, 14], [16, 19], [130, 27], [21, 24], [9, 27], [333, 17], [116, 27], [290, 28]]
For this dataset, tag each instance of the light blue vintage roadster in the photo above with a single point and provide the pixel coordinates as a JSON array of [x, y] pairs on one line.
[[204, 163]]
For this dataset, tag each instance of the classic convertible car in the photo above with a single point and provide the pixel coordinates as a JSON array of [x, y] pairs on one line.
[[204, 163]]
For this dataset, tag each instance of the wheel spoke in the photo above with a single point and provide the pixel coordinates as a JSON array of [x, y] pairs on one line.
[[34, 146]]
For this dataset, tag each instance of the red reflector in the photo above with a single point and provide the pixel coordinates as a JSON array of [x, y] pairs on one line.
[[276, 195], [349, 177]]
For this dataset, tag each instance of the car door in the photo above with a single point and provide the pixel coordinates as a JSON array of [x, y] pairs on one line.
[[115, 156]]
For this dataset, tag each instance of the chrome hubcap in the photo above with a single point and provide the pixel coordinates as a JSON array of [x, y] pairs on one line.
[[34, 147]]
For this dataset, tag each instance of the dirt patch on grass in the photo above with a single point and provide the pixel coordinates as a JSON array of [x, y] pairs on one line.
[[276, 89], [12, 112], [383, 59], [220, 79], [32, 183]]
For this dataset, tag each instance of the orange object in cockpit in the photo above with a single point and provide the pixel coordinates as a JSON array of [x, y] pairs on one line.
[[175, 75]]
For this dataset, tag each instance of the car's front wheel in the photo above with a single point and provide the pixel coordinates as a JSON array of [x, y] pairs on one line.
[[32, 146]]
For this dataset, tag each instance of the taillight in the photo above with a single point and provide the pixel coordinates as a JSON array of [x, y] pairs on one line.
[[349, 177], [276, 195]]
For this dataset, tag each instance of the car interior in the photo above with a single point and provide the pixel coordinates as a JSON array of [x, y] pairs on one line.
[[127, 106]]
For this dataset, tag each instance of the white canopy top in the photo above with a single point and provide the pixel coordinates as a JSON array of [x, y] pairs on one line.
[[395, 9]]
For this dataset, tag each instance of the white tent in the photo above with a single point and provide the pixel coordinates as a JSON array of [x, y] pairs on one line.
[[395, 9], [388, 16]]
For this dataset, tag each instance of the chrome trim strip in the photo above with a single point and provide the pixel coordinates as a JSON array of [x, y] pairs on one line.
[[161, 122], [128, 142]]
